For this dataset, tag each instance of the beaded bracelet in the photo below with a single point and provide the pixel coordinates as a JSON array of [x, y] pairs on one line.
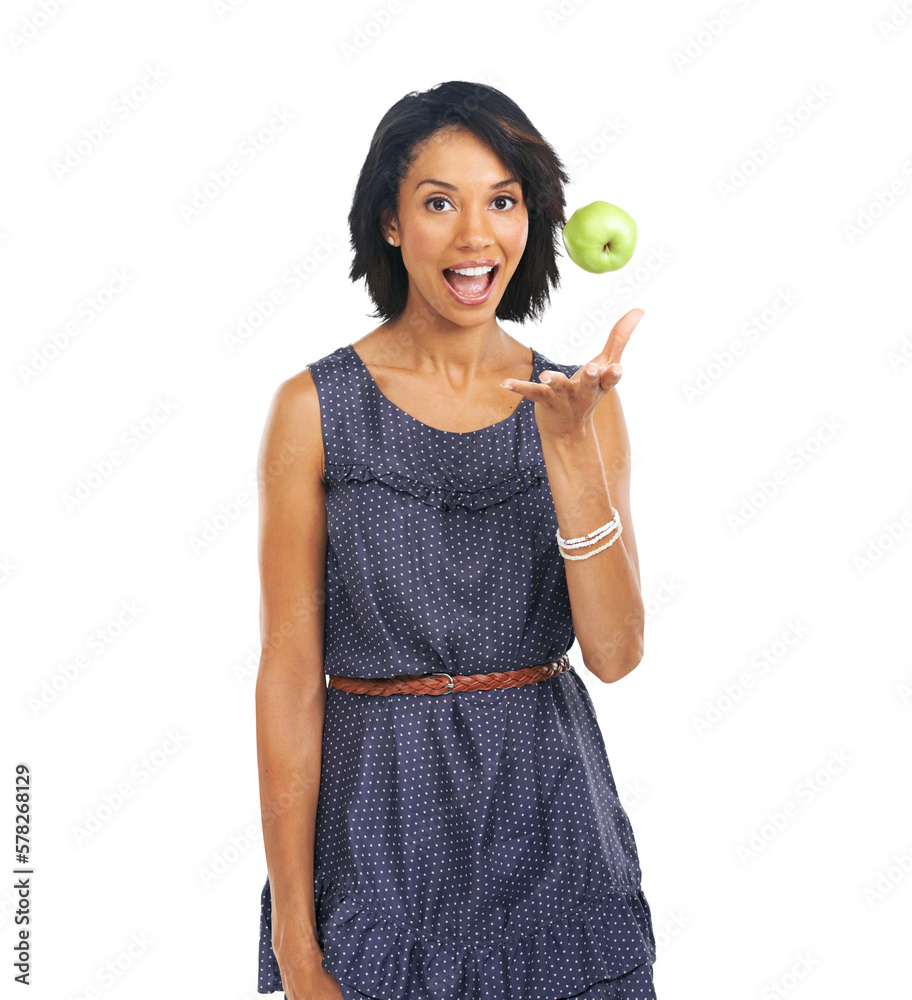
[[612, 527], [610, 541], [593, 536]]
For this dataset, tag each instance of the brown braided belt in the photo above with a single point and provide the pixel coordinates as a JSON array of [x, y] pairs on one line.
[[425, 683]]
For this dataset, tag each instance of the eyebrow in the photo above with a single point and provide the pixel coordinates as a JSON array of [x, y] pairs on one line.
[[452, 187]]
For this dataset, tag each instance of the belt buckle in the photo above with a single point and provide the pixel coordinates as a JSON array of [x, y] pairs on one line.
[[447, 690]]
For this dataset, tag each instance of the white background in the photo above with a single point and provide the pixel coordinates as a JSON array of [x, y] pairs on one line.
[[771, 492]]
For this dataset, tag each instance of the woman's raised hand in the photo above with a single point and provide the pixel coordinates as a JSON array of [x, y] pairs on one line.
[[564, 405]]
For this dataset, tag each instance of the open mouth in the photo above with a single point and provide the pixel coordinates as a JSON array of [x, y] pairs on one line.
[[473, 287]]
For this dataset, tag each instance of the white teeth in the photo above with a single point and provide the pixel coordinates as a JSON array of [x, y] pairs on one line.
[[472, 270]]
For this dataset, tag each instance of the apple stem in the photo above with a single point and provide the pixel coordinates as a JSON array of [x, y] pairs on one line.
[[607, 246]]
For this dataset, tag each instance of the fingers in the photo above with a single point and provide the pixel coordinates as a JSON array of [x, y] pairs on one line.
[[601, 376], [537, 391], [617, 339]]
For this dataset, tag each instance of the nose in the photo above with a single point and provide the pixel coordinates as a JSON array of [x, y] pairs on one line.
[[474, 228]]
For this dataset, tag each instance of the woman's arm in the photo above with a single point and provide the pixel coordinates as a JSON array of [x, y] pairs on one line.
[[588, 472], [291, 685]]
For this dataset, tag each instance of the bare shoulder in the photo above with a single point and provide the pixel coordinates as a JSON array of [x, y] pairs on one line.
[[292, 537], [293, 437]]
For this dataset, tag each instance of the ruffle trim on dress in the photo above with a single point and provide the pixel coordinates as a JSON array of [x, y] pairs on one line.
[[443, 497], [572, 956]]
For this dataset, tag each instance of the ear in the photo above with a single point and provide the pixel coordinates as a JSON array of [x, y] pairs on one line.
[[388, 225]]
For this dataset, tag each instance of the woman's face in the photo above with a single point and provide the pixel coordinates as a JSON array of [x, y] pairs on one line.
[[459, 207]]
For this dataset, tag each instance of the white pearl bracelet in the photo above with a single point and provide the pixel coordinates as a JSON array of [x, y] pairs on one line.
[[593, 536], [610, 541], [612, 527]]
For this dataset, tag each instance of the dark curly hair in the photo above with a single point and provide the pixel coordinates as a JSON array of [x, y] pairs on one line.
[[499, 123]]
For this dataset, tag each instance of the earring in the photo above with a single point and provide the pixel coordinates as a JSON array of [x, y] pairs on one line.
[[389, 239]]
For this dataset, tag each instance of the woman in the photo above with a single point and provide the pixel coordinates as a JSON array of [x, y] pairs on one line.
[[438, 501]]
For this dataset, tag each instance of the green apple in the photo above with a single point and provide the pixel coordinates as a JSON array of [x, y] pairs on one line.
[[600, 237]]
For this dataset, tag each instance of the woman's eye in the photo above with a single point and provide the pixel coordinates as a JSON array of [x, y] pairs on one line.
[[439, 199]]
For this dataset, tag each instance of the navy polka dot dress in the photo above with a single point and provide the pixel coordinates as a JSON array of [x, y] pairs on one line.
[[469, 846]]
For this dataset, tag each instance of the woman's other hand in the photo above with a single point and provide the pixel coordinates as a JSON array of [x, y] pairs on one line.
[[304, 978]]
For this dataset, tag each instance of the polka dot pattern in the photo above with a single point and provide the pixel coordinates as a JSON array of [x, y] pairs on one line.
[[469, 846]]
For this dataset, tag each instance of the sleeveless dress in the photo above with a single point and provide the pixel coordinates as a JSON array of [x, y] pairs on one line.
[[471, 845]]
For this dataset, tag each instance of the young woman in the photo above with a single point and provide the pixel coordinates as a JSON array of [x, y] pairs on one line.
[[443, 512]]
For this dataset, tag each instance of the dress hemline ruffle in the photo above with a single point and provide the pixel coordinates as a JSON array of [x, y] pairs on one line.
[[397, 962]]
